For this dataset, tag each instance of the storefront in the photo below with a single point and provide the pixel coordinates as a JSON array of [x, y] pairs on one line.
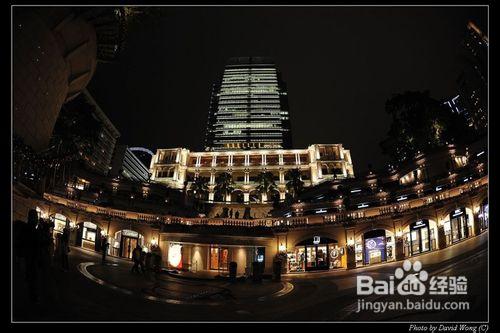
[[483, 215], [317, 253], [375, 246], [175, 256], [89, 236], [420, 238], [219, 258], [125, 242], [60, 222], [458, 227], [196, 257]]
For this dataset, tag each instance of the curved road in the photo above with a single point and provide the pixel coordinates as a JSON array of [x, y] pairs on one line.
[[322, 296]]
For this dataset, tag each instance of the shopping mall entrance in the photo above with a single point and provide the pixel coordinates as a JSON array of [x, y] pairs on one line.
[[459, 225], [420, 238], [376, 246], [317, 253], [125, 242]]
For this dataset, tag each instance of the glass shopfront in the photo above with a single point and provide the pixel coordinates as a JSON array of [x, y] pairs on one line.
[[175, 255], [89, 235], [125, 242], [375, 249], [420, 238], [219, 258], [317, 253], [60, 222], [460, 226], [483, 216]]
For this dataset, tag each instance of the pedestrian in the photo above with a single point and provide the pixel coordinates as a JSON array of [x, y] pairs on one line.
[[32, 245], [104, 248], [64, 250], [149, 259], [142, 259], [156, 259], [136, 257]]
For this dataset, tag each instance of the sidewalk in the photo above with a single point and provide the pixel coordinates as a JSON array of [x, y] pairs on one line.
[[165, 287]]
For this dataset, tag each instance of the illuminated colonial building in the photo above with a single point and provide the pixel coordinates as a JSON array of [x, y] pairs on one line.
[[249, 108], [179, 167]]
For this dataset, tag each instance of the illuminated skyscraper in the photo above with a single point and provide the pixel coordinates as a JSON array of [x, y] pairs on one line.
[[473, 81], [249, 107]]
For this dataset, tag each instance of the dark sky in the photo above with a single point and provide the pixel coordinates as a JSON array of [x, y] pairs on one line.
[[340, 64]]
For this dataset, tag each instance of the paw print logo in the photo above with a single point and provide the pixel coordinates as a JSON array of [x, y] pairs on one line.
[[411, 284]]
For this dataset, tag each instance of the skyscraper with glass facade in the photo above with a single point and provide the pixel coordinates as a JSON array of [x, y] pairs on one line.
[[249, 107]]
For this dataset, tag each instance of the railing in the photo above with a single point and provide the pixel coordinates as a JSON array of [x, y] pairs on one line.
[[362, 214]]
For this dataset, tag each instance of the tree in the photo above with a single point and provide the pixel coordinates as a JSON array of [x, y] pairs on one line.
[[224, 184], [200, 187], [295, 184], [266, 184], [420, 123]]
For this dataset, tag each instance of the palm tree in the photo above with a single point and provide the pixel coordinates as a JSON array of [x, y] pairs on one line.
[[199, 187], [266, 184], [224, 184], [295, 183]]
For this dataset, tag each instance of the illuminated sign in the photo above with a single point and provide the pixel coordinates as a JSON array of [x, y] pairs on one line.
[[175, 255], [458, 212], [130, 233], [375, 247], [89, 225], [438, 188], [419, 224], [402, 198], [355, 191], [364, 205], [322, 210], [479, 154], [316, 240]]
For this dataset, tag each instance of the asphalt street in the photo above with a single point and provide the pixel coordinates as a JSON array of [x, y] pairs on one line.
[[92, 292]]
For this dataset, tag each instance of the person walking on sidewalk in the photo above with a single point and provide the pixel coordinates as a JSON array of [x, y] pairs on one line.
[[32, 250], [141, 261], [136, 257], [65, 249], [104, 248]]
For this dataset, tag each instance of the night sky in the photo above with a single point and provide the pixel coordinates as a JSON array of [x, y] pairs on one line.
[[340, 64]]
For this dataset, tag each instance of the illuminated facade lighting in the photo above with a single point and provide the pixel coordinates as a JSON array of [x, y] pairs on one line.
[[248, 108]]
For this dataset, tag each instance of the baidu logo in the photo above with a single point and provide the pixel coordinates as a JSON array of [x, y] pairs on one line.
[[411, 284], [408, 280]]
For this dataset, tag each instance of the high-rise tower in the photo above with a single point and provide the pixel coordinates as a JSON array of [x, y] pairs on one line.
[[249, 107]]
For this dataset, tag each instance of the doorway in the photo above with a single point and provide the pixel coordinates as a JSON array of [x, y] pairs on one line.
[[128, 245]]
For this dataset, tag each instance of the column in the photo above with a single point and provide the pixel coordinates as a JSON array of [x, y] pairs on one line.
[[282, 176], [350, 252]]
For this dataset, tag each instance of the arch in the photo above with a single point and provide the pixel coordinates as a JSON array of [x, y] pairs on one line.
[[123, 242], [237, 196], [420, 235], [254, 196], [312, 234], [145, 150]]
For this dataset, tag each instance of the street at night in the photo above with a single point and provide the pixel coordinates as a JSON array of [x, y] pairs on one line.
[[318, 297]]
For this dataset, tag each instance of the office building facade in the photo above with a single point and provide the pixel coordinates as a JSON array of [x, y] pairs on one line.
[[126, 164], [249, 108]]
